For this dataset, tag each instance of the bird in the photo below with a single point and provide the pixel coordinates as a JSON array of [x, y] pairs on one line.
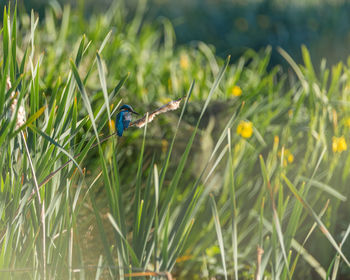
[[123, 118]]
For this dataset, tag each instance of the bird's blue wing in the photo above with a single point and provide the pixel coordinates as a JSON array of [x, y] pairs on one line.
[[122, 122], [119, 124]]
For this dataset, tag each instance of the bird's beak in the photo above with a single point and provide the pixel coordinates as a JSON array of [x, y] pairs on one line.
[[135, 113]]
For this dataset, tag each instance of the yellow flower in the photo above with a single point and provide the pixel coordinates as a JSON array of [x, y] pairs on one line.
[[334, 144], [347, 122], [111, 126], [290, 113], [236, 91], [339, 144], [245, 129], [165, 145], [288, 157], [184, 61]]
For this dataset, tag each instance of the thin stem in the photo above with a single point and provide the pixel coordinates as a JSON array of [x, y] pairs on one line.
[[42, 214]]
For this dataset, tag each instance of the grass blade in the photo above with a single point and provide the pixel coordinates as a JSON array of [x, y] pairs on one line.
[[101, 74], [53, 142], [84, 97], [312, 213], [131, 251], [218, 233]]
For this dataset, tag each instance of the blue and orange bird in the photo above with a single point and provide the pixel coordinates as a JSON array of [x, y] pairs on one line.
[[124, 118]]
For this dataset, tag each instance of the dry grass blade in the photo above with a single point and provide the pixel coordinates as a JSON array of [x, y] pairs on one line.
[[259, 253], [149, 273]]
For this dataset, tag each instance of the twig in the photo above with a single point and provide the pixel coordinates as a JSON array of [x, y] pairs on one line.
[[171, 106]]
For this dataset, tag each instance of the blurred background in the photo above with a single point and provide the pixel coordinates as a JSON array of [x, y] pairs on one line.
[[232, 26]]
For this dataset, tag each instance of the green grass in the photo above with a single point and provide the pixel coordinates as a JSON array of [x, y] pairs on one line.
[[186, 194]]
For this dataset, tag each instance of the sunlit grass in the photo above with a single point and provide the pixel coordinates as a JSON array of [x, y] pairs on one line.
[[233, 184]]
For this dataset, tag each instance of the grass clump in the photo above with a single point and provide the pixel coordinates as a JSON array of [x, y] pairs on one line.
[[272, 161]]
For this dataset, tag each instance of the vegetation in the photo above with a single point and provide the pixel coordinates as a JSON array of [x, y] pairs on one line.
[[248, 179], [232, 26]]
